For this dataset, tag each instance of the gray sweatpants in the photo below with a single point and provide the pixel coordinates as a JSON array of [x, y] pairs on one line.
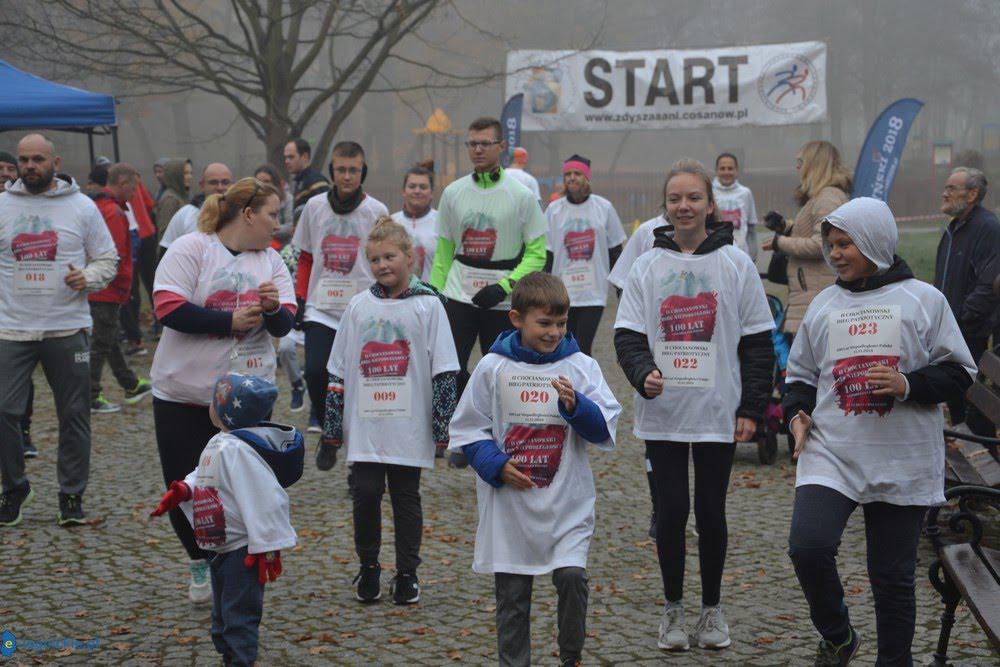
[[288, 357], [513, 593], [66, 362]]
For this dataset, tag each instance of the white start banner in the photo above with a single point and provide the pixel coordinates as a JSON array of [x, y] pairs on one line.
[[770, 84]]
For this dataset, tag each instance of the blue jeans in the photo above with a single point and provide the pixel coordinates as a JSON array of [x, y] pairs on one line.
[[237, 606]]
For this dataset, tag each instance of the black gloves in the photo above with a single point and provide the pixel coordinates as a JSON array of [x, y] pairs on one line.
[[300, 313], [489, 296], [775, 222]]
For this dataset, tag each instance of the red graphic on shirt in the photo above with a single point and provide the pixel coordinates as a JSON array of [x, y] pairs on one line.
[[536, 450], [580, 245], [733, 215], [419, 255], [42, 246], [854, 396], [689, 318], [479, 243], [229, 300], [209, 518], [385, 359], [340, 253]]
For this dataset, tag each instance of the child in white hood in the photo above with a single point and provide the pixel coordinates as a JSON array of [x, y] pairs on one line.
[[236, 502], [876, 355]]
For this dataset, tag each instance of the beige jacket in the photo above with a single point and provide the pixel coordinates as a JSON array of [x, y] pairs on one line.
[[808, 272]]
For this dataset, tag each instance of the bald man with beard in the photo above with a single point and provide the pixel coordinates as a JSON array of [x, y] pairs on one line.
[[215, 180]]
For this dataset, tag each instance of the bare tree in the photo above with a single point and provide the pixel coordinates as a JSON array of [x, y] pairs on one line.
[[280, 63]]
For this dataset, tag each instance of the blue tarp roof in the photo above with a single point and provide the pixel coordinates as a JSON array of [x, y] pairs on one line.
[[28, 101]]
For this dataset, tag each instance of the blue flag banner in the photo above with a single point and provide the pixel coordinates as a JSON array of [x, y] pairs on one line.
[[510, 119], [878, 161]]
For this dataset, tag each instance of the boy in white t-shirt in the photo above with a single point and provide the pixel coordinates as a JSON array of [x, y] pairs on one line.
[[531, 407], [236, 502]]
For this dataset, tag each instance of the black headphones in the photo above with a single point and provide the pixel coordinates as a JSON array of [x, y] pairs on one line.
[[491, 177], [364, 171]]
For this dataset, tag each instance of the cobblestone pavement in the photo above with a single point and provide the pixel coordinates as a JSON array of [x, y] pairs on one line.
[[123, 580]]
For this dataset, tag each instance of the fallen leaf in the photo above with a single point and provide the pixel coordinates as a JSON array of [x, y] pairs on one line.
[[348, 635], [186, 640], [328, 639], [399, 640], [764, 641], [464, 632], [121, 646], [316, 650], [302, 638], [455, 655], [424, 631], [63, 653]]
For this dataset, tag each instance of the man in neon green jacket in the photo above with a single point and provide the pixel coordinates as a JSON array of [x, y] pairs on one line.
[[491, 232]]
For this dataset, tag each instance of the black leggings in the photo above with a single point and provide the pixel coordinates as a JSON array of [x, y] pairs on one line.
[[469, 323], [583, 323], [182, 431], [712, 463], [892, 533], [407, 514], [319, 342]]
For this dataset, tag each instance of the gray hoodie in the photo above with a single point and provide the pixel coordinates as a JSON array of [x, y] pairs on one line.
[[871, 226]]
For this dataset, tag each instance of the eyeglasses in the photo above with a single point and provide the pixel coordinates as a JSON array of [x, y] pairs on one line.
[[476, 145], [347, 171], [952, 189], [216, 182]]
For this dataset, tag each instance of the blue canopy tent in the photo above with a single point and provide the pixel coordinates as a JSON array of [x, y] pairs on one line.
[[29, 102]]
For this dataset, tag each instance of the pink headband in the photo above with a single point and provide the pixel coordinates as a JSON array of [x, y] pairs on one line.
[[579, 166]]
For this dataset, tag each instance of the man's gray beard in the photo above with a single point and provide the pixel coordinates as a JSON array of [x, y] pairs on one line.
[[43, 185], [954, 210]]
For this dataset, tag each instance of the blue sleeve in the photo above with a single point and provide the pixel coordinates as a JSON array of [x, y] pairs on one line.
[[588, 420], [487, 460], [191, 319], [280, 323]]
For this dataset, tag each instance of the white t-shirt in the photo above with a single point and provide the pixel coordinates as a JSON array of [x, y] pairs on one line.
[[337, 244], [489, 224], [735, 205], [693, 309], [874, 448], [40, 236], [536, 530], [203, 271], [185, 221], [637, 244], [133, 224], [527, 180], [236, 500], [579, 238], [423, 231], [387, 351]]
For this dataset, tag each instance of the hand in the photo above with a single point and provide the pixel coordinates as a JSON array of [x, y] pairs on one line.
[[177, 493], [269, 298], [800, 426], [489, 296], [566, 394], [746, 429], [889, 381], [246, 319], [268, 565], [75, 279], [769, 244], [511, 476], [653, 384], [775, 222]]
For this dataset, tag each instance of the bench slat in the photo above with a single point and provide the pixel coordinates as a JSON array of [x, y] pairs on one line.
[[986, 400], [978, 586], [989, 365]]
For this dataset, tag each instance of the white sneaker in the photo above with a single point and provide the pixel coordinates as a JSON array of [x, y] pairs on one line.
[[200, 588], [712, 631], [673, 634]]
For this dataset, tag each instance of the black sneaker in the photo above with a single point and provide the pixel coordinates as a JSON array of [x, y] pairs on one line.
[[831, 655], [71, 510], [457, 459], [369, 581], [11, 503], [326, 455], [405, 588], [28, 447], [142, 389], [298, 398]]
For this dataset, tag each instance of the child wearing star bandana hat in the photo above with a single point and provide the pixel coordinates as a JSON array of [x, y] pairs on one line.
[[235, 500]]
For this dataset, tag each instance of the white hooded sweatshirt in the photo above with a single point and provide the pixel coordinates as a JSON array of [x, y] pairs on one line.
[[874, 448]]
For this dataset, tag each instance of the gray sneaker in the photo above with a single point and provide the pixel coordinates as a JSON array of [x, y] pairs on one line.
[[673, 634], [712, 631]]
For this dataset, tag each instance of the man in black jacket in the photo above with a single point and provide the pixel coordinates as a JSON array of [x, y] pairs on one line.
[[307, 181], [968, 259]]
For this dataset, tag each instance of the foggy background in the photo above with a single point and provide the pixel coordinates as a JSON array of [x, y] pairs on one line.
[[941, 53]]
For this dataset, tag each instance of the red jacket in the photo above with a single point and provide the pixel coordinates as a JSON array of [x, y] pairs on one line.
[[113, 211], [143, 205]]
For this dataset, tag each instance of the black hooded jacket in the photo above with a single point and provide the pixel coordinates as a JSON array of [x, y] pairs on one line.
[[755, 351], [930, 385]]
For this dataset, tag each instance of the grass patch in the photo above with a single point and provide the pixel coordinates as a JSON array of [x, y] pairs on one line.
[[919, 249]]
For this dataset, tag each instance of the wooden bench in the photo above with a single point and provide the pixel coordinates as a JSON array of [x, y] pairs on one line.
[[966, 569], [972, 459]]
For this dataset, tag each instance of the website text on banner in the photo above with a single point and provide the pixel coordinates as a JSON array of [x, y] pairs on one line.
[[774, 84], [879, 158]]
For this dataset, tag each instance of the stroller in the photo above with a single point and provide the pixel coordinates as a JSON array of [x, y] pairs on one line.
[[773, 426]]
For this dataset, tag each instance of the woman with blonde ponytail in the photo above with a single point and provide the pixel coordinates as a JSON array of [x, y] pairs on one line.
[[221, 293]]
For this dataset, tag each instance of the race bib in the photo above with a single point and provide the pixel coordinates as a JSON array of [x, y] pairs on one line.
[[529, 398], [35, 278], [473, 280], [386, 396], [580, 277], [686, 363], [254, 356], [334, 293], [865, 331]]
